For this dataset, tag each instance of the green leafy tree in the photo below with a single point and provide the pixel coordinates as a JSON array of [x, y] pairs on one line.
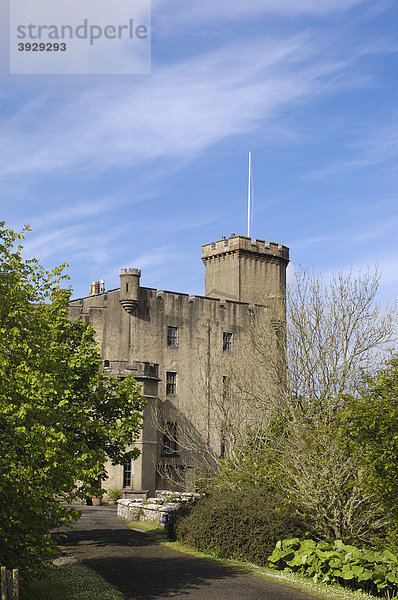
[[371, 421], [61, 417]]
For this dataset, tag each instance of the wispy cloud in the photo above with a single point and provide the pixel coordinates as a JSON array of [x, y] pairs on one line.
[[72, 213], [181, 13], [177, 113], [75, 241], [376, 230], [154, 261], [303, 243], [43, 245], [378, 147]]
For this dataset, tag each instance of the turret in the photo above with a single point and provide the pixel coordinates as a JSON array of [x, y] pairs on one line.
[[129, 289]]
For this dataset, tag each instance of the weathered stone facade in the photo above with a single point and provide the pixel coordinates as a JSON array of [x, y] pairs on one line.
[[174, 344]]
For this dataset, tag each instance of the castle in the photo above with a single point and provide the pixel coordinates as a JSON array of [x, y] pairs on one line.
[[178, 347]]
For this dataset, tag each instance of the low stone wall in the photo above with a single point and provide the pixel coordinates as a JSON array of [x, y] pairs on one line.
[[155, 510]]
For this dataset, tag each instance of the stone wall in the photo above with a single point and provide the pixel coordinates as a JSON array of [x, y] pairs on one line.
[[153, 510]]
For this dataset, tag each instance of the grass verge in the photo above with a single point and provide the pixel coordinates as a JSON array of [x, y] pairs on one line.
[[319, 590], [75, 582]]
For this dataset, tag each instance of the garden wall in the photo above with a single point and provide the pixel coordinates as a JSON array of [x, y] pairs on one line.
[[155, 510]]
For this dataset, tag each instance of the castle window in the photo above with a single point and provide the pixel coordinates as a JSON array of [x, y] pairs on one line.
[[223, 444], [227, 341], [172, 337], [127, 474], [170, 438], [171, 383], [226, 393]]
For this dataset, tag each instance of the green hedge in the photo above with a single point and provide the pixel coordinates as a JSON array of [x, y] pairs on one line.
[[329, 562], [236, 524]]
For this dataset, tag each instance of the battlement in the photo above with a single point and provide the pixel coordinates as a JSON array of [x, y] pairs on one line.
[[237, 243], [130, 271]]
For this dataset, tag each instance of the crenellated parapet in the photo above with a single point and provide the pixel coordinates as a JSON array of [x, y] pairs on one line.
[[242, 243]]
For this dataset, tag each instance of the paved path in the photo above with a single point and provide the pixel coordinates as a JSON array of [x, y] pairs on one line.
[[143, 569]]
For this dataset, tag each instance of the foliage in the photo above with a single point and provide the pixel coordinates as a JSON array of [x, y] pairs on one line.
[[254, 463], [237, 524], [371, 422], [328, 562], [176, 517], [327, 481], [114, 494], [314, 469], [334, 331], [60, 416]]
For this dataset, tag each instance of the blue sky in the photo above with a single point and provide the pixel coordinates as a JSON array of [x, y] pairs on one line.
[[140, 171]]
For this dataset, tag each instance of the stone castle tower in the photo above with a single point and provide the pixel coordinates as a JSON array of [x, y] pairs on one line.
[[177, 345], [245, 270]]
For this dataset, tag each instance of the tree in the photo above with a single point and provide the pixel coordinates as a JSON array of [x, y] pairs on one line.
[[306, 359], [60, 416], [336, 332], [295, 375], [326, 480], [371, 422]]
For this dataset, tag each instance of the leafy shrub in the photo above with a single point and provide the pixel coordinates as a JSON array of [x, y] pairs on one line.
[[237, 524], [114, 494], [330, 562], [176, 517]]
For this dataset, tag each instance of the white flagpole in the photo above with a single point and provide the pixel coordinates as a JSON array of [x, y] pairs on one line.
[[249, 195]]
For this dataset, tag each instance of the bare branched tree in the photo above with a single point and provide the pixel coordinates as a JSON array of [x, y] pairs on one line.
[[307, 358], [297, 371], [186, 458], [336, 332]]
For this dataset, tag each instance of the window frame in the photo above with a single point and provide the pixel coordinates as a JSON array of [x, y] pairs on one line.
[[172, 336], [127, 475], [227, 341], [171, 386], [169, 440]]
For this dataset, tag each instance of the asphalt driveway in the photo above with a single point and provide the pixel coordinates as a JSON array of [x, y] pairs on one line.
[[143, 569]]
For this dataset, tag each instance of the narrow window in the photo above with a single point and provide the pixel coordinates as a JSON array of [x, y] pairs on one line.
[[227, 341], [225, 388], [127, 475], [172, 337], [170, 437], [171, 383]]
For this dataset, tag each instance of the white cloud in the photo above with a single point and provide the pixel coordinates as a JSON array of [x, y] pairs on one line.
[[43, 245], [71, 213], [378, 147], [389, 270], [290, 274], [192, 14], [156, 257], [376, 231], [175, 114]]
